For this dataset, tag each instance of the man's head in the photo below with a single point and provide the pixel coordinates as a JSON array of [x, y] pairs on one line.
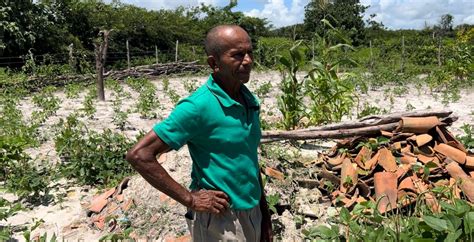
[[229, 53]]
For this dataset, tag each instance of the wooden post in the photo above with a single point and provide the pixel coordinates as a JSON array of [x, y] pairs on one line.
[[371, 63], [128, 56], [100, 58], [403, 53], [176, 52], [71, 56], [439, 51], [156, 54]]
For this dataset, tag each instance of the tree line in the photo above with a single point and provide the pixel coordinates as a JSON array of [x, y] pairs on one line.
[[52, 26]]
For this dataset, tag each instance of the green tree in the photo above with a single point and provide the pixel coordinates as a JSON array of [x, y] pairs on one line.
[[342, 14]]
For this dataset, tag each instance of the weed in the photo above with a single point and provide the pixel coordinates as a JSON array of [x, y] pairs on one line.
[[48, 103], [88, 108], [174, 97], [190, 85], [72, 90], [147, 101], [166, 84], [468, 138], [263, 89]]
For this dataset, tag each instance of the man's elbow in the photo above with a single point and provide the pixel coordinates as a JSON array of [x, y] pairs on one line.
[[134, 156]]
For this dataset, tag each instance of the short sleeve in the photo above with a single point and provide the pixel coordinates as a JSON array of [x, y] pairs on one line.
[[180, 126]]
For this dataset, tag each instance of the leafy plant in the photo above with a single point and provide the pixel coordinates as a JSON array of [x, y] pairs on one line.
[[48, 103], [263, 89], [290, 102], [272, 201], [90, 157], [147, 101], [190, 85], [88, 108], [468, 138], [72, 90]]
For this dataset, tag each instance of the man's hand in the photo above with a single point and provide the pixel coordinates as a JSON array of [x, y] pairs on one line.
[[209, 201]]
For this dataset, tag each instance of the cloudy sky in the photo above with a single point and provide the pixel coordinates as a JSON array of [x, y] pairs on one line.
[[394, 14]]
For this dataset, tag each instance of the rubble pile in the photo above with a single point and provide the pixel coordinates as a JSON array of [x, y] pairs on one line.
[[395, 168], [107, 211]]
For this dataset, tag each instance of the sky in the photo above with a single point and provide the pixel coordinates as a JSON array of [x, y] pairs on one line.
[[394, 14]]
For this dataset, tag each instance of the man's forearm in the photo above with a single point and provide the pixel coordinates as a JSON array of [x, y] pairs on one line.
[[157, 176]]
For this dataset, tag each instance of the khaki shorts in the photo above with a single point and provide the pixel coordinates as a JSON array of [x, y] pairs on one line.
[[241, 225]]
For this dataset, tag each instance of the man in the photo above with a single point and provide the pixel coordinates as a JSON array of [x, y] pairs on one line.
[[220, 125]]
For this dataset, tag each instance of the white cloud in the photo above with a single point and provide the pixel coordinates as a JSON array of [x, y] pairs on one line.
[[394, 14], [414, 14], [279, 14], [167, 4]]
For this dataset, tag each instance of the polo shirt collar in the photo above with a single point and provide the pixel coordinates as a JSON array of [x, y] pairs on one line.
[[225, 99]]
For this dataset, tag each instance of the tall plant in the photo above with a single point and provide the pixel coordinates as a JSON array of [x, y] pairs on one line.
[[331, 96], [290, 103]]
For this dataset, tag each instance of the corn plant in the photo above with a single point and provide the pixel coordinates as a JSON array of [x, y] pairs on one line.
[[290, 103], [331, 96]]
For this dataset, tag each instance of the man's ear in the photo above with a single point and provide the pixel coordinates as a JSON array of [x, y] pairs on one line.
[[212, 61]]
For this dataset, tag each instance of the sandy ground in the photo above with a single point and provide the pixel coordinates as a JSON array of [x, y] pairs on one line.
[[158, 217]]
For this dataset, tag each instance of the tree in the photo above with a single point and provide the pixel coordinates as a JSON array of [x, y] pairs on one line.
[[343, 14]]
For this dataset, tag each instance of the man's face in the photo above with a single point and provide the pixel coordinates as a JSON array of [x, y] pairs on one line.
[[235, 62]]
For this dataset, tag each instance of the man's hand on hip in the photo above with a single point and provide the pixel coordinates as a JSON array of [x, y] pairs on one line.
[[209, 201]]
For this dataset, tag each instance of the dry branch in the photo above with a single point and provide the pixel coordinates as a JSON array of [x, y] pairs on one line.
[[366, 126]]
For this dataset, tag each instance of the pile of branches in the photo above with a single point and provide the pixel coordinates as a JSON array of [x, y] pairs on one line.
[[393, 167], [37, 82], [156, 70]]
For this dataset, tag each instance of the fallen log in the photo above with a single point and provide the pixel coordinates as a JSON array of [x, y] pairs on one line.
[[346, 129], [380, 119]]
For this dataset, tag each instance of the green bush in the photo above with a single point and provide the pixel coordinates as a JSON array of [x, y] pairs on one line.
[[90, 157]]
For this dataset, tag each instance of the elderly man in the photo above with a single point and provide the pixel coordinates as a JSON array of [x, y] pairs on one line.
[[220, 124]]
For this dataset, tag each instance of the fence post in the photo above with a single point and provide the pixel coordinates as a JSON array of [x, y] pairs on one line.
[[371, 62], [403, 53], [176, 52], [71, 56], [100, 57], [156, 54], [128, 57]]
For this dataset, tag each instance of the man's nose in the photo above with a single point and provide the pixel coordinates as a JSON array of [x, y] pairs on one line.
[[248, 59]]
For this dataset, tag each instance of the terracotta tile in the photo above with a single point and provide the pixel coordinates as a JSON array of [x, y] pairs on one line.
[[396, 146], [386, 190], [469, 162], [408, 158], [406, 149], [274, 173], [349, 169], [448, 138], [386, 133], [112, 207], [120, 197], [127, 205], [99, 202], [370, 164], [407, 183], [430, 199], [466, 184], [423, 139], [336, 160], [99, 222], [387, 160], [418, 125], [451, 152], [363, 156]]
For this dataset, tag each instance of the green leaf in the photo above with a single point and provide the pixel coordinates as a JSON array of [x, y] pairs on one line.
[[345, 215], [469, 223], [435, 223], [453, 222], [452, 237]]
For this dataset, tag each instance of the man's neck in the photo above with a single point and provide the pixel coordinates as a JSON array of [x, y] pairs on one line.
[[231, 88]]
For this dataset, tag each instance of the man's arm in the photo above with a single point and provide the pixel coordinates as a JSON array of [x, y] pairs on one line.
[[142, 157], [266, 228]]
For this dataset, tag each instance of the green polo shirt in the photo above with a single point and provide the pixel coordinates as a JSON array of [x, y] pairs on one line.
[[222, 137]]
